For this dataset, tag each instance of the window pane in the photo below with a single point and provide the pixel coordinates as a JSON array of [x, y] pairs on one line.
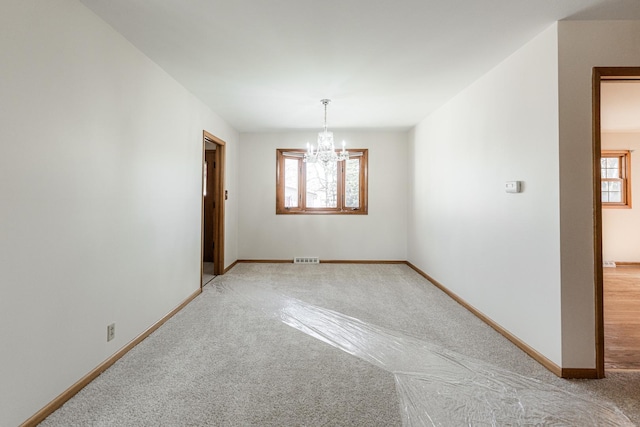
[[614, 186], [615, 196], [352, 183], [603, 162], [612, 162], [613, 173], [322, 188], [605, 196], [291, 183]]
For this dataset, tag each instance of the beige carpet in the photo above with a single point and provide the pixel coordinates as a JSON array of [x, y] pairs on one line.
[[235, 357]]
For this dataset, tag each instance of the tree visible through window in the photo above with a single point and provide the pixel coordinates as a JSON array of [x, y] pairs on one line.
[[321, 188], [615, 175]]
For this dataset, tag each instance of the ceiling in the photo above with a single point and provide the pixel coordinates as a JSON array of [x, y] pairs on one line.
[[265, 65]]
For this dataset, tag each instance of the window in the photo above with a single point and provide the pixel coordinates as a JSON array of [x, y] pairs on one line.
[[615, 174], [318, 188]]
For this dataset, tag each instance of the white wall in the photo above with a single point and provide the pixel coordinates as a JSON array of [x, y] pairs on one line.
[[380, 235], [100, 182], [621, 227], [497, 251], [582, 46]]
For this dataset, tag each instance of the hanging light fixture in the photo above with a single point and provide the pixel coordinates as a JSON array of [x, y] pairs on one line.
[[326, 150]]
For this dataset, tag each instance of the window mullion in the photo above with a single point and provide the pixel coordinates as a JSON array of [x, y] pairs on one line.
[[364, 164], [302, 184], [340, 186]]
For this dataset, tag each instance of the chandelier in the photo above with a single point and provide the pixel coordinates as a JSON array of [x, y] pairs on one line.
[[326, 150]]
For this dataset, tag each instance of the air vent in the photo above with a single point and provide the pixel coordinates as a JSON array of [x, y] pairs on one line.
[[608, 264], [306, 260]]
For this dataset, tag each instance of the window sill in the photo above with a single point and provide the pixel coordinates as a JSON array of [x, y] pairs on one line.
[[321, 212]]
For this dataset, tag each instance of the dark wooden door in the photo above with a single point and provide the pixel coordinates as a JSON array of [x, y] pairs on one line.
[[209, 207]]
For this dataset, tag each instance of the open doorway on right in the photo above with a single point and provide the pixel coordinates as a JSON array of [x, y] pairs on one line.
[[620, 193]]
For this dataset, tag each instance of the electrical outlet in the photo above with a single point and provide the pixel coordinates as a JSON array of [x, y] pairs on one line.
[[111, 331]]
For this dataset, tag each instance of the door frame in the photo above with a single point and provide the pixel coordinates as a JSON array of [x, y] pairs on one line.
[[600, 74], [218, 198]]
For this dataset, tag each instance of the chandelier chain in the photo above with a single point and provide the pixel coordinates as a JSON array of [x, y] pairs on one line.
[[325, 102]]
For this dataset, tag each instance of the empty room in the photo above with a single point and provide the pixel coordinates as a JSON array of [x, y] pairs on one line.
[[365, 213]]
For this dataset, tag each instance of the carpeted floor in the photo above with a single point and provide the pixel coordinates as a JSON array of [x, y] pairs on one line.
[[232, 357]]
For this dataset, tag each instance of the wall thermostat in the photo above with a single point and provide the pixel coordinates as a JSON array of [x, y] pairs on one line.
[[513, 186]]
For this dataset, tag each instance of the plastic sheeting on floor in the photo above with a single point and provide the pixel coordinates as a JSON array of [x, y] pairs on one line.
[[437, 387]]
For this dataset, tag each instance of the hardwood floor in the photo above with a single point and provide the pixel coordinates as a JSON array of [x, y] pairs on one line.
[[622, 317]]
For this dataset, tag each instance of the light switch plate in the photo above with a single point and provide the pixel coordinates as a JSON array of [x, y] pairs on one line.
[[513, 186]]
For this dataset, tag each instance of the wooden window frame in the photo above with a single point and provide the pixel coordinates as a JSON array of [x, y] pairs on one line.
[[298, 154], [625, 177]]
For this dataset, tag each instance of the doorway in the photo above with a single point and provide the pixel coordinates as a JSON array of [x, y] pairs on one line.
[[612, 319], [213, 196]]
